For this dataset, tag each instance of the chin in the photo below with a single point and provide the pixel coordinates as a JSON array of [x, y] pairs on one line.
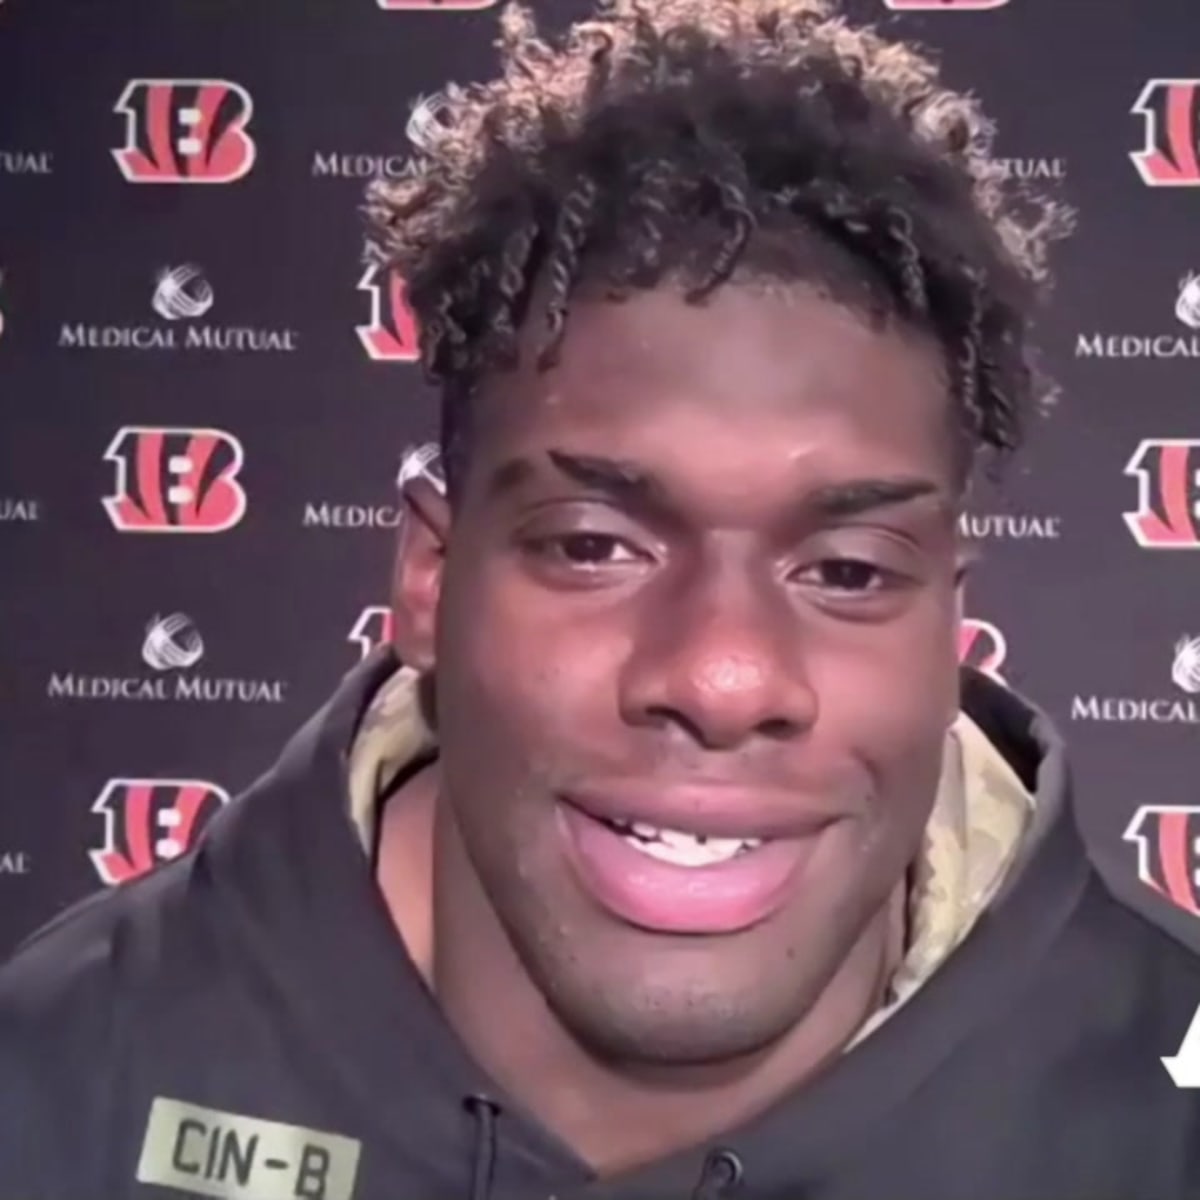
[[677, 1026], [669, 1001]]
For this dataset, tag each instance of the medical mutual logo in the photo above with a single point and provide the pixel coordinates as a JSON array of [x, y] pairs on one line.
[[19, 510], [14, 863], [1178, 707], [182, 292], [1010, 527], [1187, 307], [171, 647], [416, 461], [425, 122], [172, 643], [26, 162], [180, 297], [1034, 168], [1180, 342]]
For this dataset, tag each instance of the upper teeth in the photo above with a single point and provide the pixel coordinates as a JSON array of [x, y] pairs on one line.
[[680, 848]]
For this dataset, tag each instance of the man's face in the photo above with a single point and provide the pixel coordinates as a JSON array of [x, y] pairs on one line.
[[695, 657]]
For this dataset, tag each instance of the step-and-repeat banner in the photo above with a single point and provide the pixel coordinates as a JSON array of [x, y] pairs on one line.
[[206, 399]]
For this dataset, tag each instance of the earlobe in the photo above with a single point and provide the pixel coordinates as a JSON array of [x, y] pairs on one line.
[[417, 579]]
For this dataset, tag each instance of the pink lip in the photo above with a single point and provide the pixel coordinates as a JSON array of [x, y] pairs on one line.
[[660, 897]]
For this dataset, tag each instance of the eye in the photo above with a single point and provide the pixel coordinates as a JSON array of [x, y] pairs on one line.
[[585, 551], [849, 575]]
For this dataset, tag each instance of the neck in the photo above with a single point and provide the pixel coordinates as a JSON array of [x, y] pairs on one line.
[[614, 1115]]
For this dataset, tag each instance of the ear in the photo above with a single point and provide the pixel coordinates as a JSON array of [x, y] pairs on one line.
[[417, 579]]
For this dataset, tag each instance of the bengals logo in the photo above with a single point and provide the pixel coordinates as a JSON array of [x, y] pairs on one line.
[[372, 629], [185, 131], [392, 334], [1166, 836], [982, 645], [1171, 110], [434, 5], [175, 480], [942, 5], [1168, 512], [149, 822]]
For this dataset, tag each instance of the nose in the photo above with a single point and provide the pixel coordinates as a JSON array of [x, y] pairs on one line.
[[722, 663]]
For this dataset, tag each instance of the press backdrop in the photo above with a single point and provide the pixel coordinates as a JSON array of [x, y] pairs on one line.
[[205, 400]]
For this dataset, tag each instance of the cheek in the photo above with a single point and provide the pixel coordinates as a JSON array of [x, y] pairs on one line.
[[910, 662], [887, 698], [526, 669]]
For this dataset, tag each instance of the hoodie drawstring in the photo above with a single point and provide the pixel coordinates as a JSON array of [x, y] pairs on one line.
[[485, 1110], [720, 1176]]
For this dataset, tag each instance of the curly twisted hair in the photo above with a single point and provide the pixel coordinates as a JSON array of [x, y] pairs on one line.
[[666, 139]]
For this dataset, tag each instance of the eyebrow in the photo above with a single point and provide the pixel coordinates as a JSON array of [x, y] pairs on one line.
[[635, 487]]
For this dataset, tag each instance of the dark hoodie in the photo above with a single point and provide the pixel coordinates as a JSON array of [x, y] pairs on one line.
[[245, 1023]]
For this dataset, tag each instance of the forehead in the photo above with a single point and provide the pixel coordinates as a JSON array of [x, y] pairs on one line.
[[762, 380]]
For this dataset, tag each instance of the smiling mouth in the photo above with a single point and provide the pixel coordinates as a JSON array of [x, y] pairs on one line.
[[661, 879], [679, 848]]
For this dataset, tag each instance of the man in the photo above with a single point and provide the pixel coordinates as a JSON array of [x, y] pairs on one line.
[[677, 859]]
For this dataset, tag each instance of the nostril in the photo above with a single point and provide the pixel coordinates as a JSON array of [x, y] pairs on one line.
[[779, 729]]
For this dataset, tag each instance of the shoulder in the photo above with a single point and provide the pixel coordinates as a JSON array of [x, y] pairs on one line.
[[1132, 918], [1129, 967], [70, 1012], [63, 989]]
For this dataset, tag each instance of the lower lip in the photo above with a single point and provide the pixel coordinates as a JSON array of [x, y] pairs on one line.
[[726, 897]]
